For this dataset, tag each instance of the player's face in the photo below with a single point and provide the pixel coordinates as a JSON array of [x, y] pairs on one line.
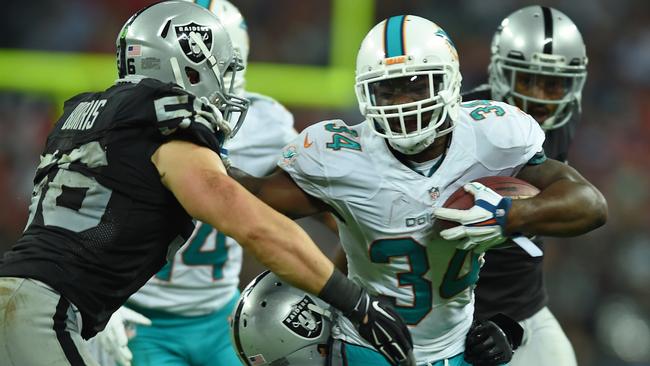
[[403, 90], [552, 88]]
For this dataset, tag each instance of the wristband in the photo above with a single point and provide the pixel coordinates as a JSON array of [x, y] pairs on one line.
[[340, 292]]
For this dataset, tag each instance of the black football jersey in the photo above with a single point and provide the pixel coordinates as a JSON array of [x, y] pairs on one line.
[[511, 281], [101, 223]]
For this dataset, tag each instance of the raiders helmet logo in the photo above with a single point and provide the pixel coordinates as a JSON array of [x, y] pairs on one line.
[[190, 48], [303, 321]]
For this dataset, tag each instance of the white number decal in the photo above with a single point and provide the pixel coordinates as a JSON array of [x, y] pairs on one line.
[[95, 196]]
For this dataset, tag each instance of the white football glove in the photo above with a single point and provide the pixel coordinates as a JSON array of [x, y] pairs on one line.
[[204, 108], [115, 337], [481, 225]]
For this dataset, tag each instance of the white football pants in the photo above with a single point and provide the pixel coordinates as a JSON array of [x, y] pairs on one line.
[[544, 343]]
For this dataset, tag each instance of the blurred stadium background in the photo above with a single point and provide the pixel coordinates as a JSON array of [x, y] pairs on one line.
[[303, 52]]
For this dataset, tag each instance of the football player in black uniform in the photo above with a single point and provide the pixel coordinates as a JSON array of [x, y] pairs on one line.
[[538, 64], [122, 175]]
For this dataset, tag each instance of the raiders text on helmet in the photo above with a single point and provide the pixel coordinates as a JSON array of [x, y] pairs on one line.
[[182, 43], [277, 324]]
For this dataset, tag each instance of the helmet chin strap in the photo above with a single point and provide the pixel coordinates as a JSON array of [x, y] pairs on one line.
[[408, 147]]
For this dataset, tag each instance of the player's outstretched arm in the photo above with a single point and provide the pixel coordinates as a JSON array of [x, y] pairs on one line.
[[567, 204], [280, 192], [198, 179]]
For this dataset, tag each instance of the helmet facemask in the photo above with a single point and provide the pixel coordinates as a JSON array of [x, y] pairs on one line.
[[543, 88], [408, 82], [232, 106], [409, 109]]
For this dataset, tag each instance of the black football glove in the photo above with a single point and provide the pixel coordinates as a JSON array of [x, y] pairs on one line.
[[492, 342], [380, 325], [377, 322]]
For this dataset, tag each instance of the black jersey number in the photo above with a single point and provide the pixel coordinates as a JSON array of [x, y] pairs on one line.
[[70, 199]]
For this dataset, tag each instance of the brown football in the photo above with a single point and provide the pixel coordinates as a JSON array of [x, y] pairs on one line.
[[505, 186]]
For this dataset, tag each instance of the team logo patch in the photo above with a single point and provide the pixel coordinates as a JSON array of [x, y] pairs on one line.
[[289, 155], [450, 44], [303, 321], [190, 48]]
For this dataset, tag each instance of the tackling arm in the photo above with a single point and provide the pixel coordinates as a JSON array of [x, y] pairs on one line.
[[198, 180], [567, 204]]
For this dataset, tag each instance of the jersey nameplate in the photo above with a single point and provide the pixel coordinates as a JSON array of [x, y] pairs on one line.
[[84, 115]]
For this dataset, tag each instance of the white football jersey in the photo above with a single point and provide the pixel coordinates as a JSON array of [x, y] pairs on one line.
[[204, 274], [385, 214]]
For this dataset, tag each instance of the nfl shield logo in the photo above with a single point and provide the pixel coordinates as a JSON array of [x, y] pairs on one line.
[[434, 193], [188, 45]]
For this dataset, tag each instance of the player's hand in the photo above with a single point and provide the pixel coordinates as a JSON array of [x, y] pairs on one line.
[[114, 338], [204, 108], [380, 325], [492, 342], [482, 225]]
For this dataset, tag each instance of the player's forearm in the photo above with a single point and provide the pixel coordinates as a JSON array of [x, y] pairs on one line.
[[276, 241], [283, 247], [564, 208]]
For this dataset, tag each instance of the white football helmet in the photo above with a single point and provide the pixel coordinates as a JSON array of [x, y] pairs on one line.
[[235, 25], [182, 43], [539, 63], [277, 324], [408, 51]]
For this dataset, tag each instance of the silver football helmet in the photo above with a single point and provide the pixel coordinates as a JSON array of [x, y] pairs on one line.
[[277, 324], [539, 63], [235, 24], [182, 43], [408, 82]]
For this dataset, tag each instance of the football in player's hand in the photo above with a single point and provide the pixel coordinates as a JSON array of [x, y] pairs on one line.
[[506, 186]]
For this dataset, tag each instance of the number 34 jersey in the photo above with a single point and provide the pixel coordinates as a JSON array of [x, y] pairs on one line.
[[101, 222], [385, 219], [204, 274]]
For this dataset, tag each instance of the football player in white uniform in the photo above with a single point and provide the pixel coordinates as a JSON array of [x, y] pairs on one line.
[[386, 179], [194, 294]]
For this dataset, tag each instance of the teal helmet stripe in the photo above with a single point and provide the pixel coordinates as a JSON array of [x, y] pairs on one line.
[[394, 36], [204, 3]]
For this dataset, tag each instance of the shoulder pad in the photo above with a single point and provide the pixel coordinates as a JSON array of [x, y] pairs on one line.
[[173, 111], [323, 149], [504, 135]]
